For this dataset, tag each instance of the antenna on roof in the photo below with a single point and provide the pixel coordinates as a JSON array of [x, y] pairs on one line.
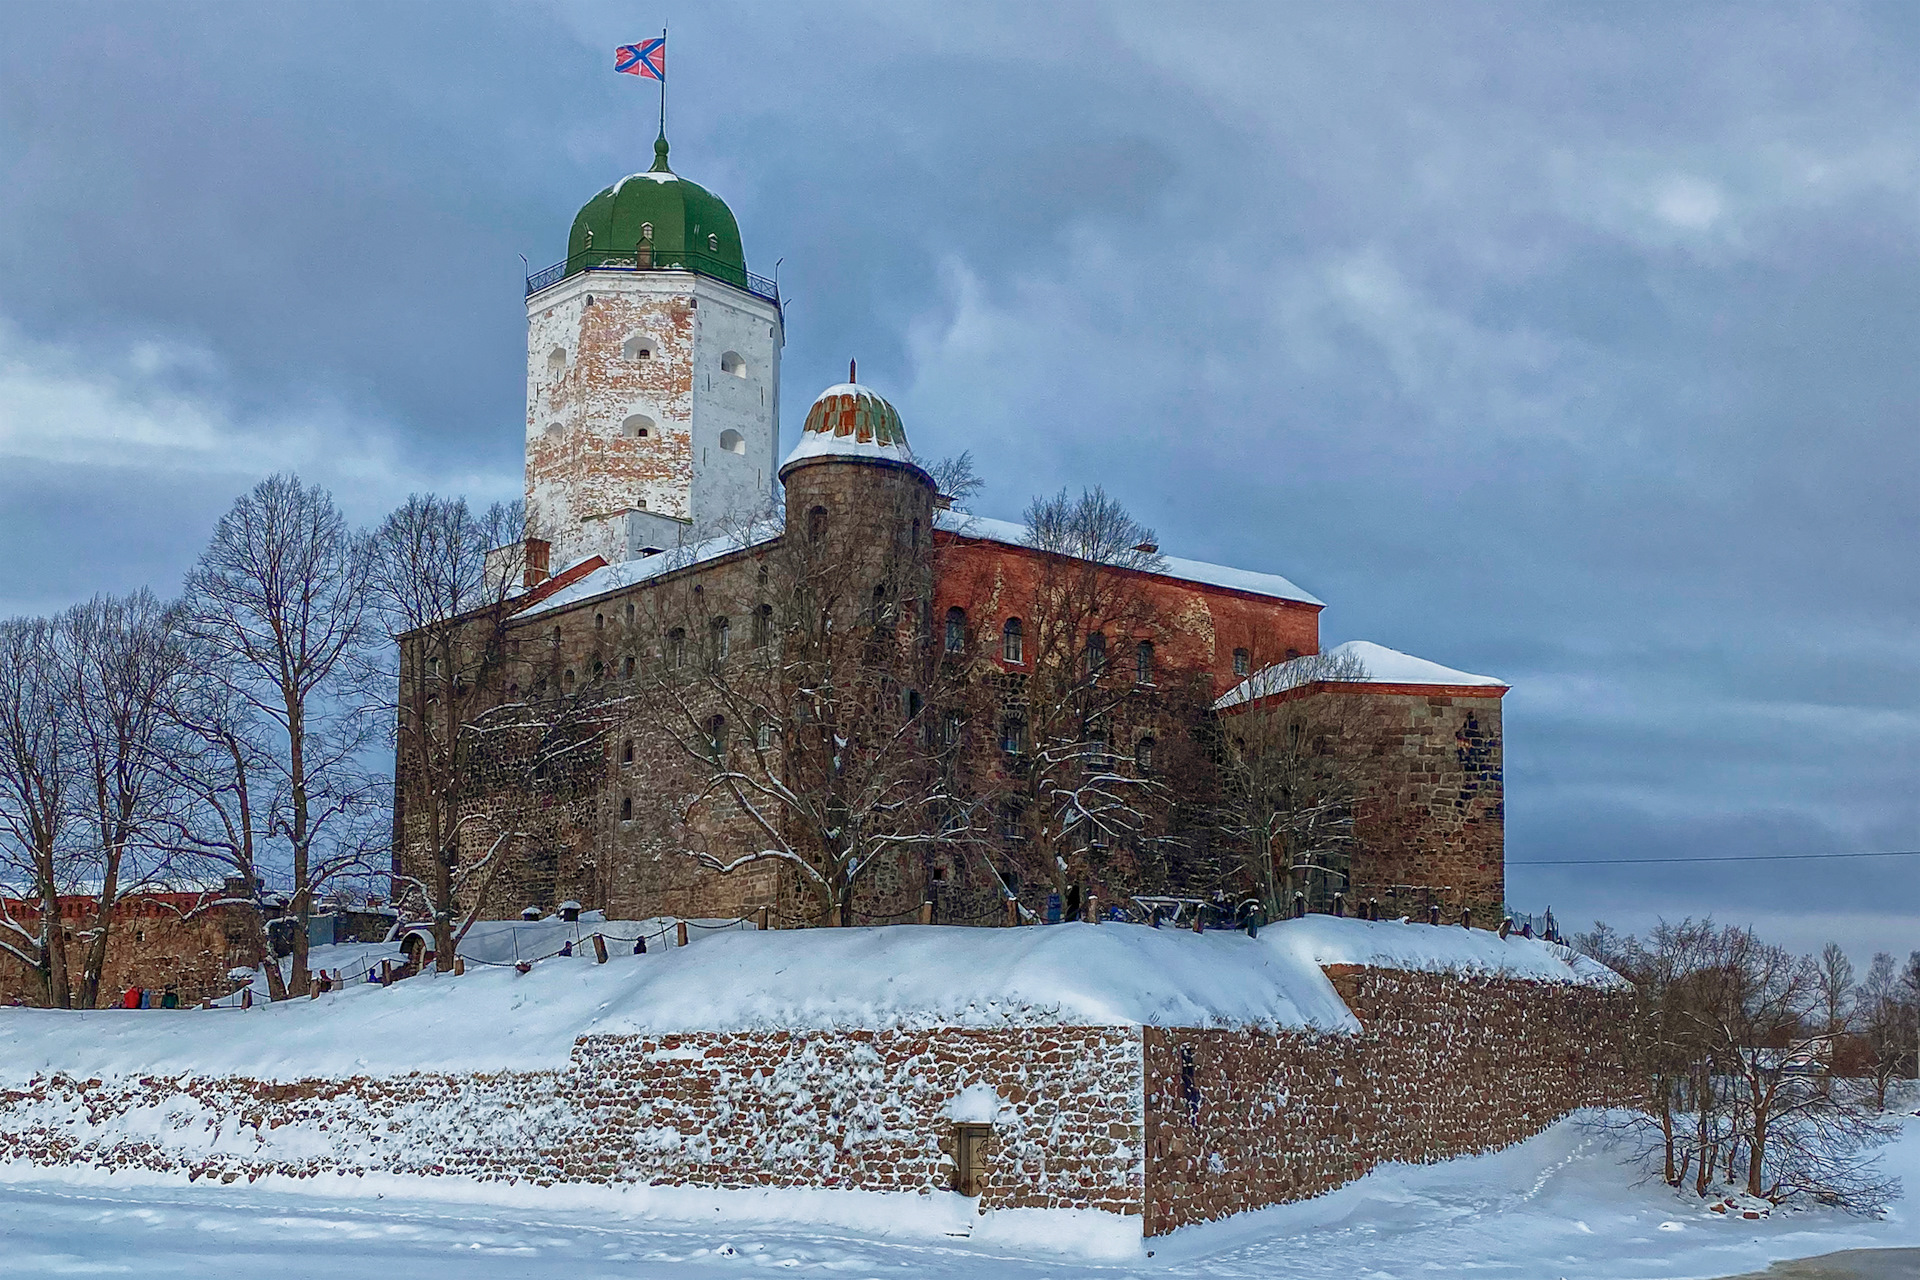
[[850, 372]]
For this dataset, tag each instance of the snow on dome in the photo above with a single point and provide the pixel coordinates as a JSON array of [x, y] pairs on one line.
[[1355, 662], [852, 421]]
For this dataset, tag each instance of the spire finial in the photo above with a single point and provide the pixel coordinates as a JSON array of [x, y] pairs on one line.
[[660, 154], [850, 372]]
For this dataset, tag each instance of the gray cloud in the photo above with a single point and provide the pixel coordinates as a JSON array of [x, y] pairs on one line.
[[1565, 345]]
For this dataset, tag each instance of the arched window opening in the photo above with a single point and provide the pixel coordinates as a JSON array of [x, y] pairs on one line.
[[630, 606], [626, 751], [599, 671], [626, 808], [1242, 662], [556, 360], [763, 626], [552, 429], [717, 739], [638, 347], [1013, 733], [817, 523], [566, 681], [677, 647], [734, 363], [1011, 647], [599, 622], [956, 630], [733, 442], [626, 668], [1143, 662], [719, 628], [1143, 755], [915, 703], [638, 427], [1096, 653], [556, 635], [1097, 757]]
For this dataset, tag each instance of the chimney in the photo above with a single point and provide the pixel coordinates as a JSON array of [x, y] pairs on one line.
[[537, 549]]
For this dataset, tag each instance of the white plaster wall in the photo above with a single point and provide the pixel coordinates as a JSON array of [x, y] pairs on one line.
[[583, 473], [728, 486]]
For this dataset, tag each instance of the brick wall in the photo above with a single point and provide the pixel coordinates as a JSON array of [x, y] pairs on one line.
[[156, 941], [1445, 1067]]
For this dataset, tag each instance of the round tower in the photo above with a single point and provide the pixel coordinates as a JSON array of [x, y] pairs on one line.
[[653, 374], [854, 492]]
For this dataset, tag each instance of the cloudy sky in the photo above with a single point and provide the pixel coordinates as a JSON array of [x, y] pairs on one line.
[[1576, 351]]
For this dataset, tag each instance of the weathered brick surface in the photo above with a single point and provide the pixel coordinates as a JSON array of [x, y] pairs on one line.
[[1445, 1067]]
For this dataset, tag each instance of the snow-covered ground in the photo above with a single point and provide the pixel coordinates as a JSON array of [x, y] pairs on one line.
[[1556, 1206], [494, 1018]]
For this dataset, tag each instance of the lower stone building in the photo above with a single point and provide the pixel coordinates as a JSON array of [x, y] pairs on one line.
[[186, 943]]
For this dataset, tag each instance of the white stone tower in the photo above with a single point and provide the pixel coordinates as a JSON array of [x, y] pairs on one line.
[[653, 375]]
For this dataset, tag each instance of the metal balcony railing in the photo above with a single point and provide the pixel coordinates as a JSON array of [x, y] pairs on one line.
[[655, 259]]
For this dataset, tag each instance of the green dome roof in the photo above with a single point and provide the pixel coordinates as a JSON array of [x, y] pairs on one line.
[[689, 225]]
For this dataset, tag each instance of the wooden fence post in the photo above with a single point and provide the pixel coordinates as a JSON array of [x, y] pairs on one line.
[[459, 965], [599, 949], [764, 914], [926, 913], [680, 932], [1013, 911]]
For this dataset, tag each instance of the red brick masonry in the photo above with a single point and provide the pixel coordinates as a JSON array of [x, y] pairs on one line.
[[1177, 1125]]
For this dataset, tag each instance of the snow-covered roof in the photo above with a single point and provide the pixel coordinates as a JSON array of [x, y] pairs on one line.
[[849, 420], [1376, 664], [1213, 575], [901, 976], [629, 573]]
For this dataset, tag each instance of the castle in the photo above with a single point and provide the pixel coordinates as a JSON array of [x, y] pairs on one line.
[[1019, 723]]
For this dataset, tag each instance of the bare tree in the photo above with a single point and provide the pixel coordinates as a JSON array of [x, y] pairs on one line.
[[1834, 987], [37, 801], [798, 687], [1073, 782], [219, 766], [279, 600], [1288, 793], [1729, 1035], [120, 658], [1886, 1021], [446, 608]]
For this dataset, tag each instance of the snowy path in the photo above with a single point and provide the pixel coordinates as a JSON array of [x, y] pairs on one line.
[[1554, 1207]]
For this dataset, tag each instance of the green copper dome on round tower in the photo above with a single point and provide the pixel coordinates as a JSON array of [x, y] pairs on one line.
[[658, 219]]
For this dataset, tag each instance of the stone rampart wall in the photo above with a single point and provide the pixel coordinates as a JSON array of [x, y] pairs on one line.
[[850, 1110], [1445, 1067]]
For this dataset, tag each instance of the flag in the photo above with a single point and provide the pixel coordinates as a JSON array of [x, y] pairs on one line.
[[648, 58]]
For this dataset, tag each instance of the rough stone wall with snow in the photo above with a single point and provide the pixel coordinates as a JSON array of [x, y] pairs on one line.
[[849, 1110], [1445, 1066]]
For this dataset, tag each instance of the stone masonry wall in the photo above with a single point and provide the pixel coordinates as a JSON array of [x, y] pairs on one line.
[[1445, 1067], [850, 1110], [157, 941]]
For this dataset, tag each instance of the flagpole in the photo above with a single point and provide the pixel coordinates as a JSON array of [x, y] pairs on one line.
[[663, 81]]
